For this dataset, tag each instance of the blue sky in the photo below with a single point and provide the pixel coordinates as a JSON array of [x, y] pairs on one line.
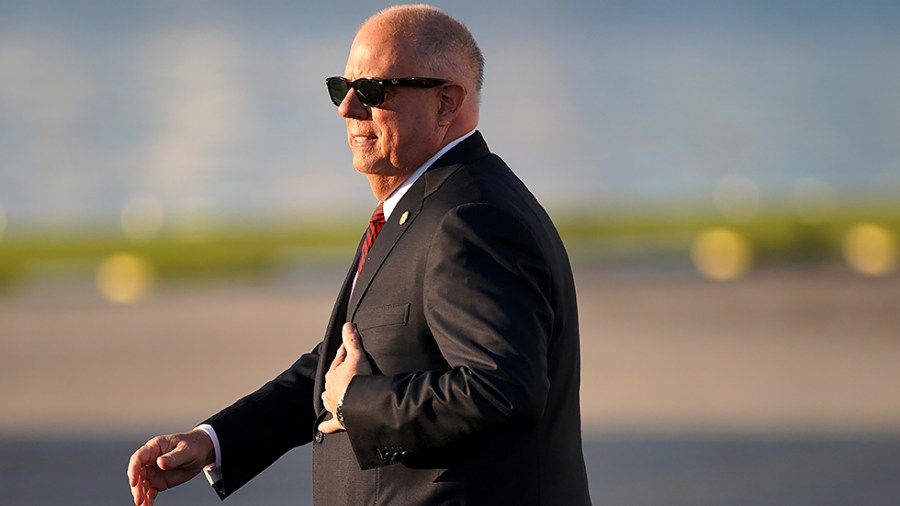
[[220, 106]]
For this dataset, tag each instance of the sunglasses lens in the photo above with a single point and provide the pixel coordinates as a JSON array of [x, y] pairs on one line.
[[337, 89], [369, 91]]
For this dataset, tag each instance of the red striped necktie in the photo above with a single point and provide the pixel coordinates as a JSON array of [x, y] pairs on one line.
[[376, 223]]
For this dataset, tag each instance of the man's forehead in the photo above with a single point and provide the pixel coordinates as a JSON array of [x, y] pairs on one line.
[[379, 57]]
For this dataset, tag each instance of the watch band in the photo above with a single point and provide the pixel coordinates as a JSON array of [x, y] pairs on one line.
[[339, 412]]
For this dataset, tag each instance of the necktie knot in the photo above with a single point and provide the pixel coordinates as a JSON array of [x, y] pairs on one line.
[[376, 223]]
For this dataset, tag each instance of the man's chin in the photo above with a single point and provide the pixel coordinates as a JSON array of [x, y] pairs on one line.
[[366, 165], [364, 169]]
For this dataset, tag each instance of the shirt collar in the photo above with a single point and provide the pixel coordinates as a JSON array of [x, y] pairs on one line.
[[391, 202]]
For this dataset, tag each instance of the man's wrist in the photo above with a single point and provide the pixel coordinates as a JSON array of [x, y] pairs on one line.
[[214, 457]]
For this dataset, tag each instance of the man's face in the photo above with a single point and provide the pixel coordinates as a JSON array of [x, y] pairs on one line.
[[394, 138]]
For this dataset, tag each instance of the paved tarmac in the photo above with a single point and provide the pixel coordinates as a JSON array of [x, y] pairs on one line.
[[778, 389], [629, 471]]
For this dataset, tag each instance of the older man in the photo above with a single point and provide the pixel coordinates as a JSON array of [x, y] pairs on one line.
[[449, 372]]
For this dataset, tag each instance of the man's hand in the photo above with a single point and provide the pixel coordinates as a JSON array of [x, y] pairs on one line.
[[166, 461], [349, 361]]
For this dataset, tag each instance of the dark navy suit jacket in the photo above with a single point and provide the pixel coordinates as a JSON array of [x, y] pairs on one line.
[[467, 312]]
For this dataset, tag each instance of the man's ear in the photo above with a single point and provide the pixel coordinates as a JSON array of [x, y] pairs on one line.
[[452, 97]]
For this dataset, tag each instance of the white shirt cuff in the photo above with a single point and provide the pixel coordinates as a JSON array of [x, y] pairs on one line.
[[213, 472]]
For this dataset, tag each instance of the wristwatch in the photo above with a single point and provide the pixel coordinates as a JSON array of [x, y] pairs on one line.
[[339, 412]]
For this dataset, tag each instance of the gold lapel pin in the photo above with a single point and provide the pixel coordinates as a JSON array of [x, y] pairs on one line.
[[404, 217]]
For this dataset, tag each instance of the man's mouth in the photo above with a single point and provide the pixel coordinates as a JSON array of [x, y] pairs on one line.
[[362, 139]]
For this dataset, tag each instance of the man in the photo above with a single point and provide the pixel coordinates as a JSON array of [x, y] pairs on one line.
[[449, 372]]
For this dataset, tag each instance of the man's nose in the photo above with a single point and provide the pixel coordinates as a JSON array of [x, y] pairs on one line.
[[351, 107]]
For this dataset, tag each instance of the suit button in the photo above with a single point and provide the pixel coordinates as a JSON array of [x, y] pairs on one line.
[[320, 437]]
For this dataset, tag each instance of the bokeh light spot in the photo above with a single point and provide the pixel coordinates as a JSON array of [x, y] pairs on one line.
[[124, 278], [870, 249], [721, 254]]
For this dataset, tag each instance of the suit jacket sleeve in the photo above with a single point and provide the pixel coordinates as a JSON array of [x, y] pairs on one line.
[[261, 427], [487, 304]]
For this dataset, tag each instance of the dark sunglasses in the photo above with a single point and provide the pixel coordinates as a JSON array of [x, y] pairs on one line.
[[370, 91]]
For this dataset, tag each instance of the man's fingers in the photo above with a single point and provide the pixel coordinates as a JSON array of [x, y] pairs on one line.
[[140, 491], [142, 467], [137, 494], [166, 461], [137, 474], [339, 358], [330, 426], [134, 472], [355, 353], [146, 497], [139, 461]]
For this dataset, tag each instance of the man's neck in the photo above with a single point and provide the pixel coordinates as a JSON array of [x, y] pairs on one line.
[[384, 186]]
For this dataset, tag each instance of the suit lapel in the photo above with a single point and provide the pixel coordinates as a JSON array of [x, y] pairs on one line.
[[406, 211], [409, 207], [349, 297]]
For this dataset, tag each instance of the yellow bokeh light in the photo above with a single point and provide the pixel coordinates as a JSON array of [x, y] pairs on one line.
[[871, 249], [124, 278], [721, 254]]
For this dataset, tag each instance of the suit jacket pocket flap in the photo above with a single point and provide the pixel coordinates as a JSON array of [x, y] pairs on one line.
[[381, 316]]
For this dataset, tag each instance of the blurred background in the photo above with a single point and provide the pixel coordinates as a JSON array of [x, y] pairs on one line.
[[725, 174]]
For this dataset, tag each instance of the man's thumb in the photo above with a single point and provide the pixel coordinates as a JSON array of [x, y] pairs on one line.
[[350, 337], [170, 460]]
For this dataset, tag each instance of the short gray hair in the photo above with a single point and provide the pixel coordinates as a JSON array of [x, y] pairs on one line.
[[443, 45]]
